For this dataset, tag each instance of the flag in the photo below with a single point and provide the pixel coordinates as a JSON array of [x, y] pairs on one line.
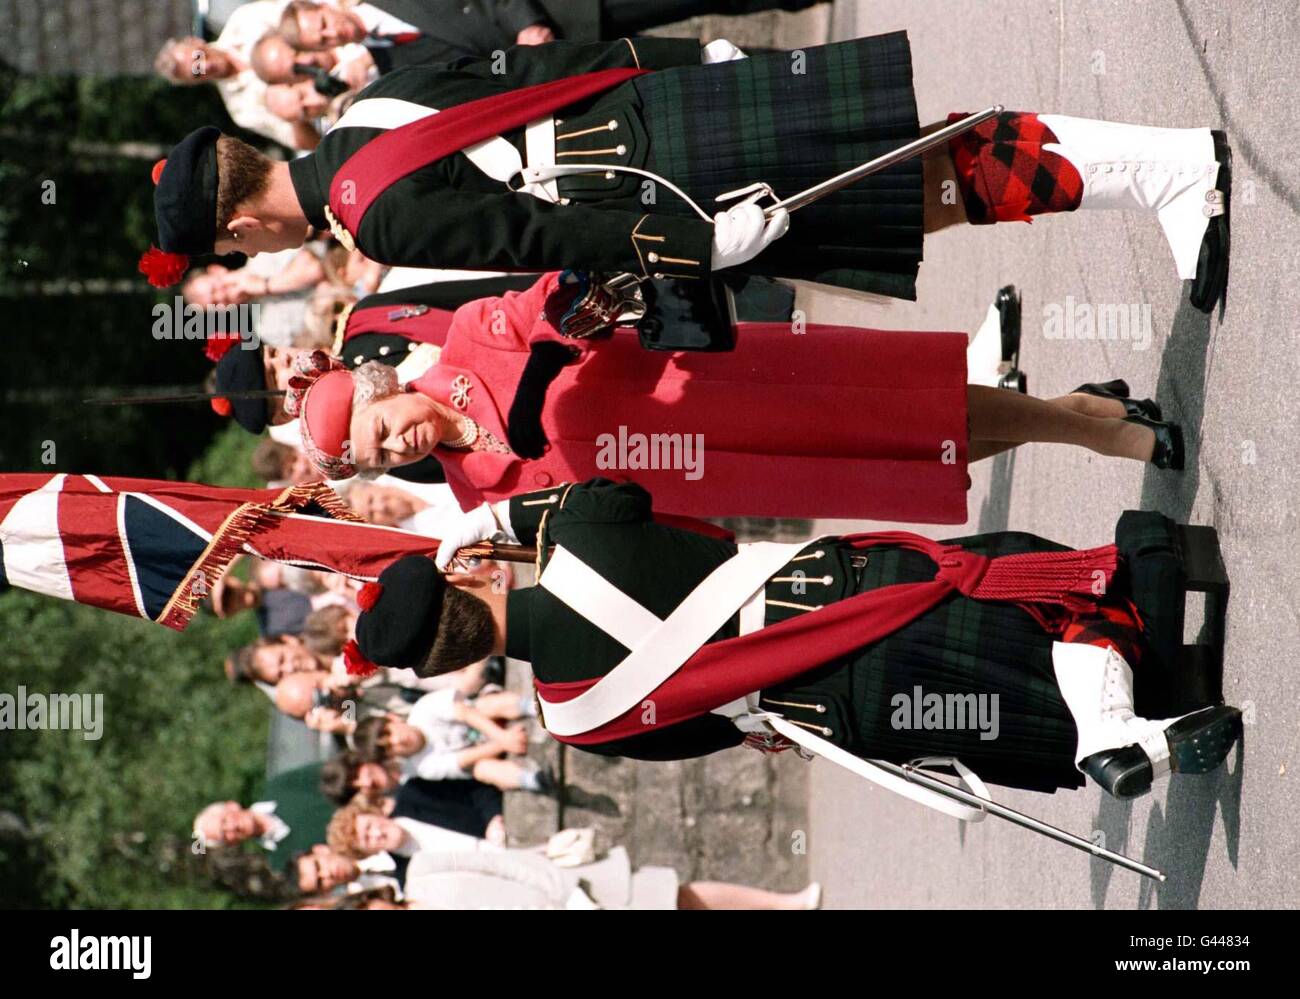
[[153, 549]]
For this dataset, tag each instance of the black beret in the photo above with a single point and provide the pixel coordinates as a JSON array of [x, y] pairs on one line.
[[243, 370], [400, 625], [185, 199]]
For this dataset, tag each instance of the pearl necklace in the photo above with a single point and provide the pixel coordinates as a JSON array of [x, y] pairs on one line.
[[467, 437]]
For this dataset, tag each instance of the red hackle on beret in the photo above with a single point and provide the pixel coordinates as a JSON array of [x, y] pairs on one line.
[[221, 406], [369, 595], [217, 347], [156, 174], [163, 269], [356, 663]]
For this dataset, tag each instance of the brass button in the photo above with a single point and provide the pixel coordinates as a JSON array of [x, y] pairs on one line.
[[383, 351], [622, 149], [653, 257], [613, 124]]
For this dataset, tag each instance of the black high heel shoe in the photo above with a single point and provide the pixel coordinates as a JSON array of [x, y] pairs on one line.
[[1118, 389], [1168, 452], [1008, 306]]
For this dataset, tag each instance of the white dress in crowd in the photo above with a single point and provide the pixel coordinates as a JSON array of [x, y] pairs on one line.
[[526, 879]]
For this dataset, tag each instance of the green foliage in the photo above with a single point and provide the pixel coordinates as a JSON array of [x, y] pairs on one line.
[[226, 461], [108, 820], [76, 212]]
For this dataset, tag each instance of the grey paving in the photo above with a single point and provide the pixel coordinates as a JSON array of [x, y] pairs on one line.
[[1228, 839]]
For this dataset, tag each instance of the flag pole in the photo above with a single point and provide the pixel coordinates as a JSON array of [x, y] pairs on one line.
[[498, 552]]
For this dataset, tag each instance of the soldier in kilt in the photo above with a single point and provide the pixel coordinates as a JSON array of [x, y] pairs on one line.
[[1006, 650], [608, 157]]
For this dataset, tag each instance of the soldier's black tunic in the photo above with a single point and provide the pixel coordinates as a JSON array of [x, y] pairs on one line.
[[389, 346], [792, 119], [962, 647]]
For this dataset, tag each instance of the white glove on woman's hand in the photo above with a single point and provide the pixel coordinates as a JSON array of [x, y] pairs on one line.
[[742, 233], [469, 529]]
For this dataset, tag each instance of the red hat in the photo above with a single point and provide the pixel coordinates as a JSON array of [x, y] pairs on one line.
[[320, 393]]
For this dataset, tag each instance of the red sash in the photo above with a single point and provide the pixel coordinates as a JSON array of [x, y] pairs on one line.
[[420, 323], [388, 158], [1051, 586]]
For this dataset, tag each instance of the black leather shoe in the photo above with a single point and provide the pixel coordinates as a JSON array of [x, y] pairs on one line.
[[1168, 452], [1198, 744], [1008, 306], [1122, 773], [1211, 279], [1118, 389]]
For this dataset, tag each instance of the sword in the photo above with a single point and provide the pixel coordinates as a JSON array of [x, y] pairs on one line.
[[135, 400], [754, 192], [911, 773]]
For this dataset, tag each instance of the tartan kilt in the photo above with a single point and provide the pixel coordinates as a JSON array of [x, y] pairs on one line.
[[716, 128], [961, 647]]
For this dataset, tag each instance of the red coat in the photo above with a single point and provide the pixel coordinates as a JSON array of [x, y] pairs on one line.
[[832, 422]]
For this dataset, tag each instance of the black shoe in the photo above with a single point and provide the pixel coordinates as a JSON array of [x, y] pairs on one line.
[[1198, 744], [546, 782], [1122, 773], [1118, 389], [1168, 452], [1211, 281], [495, 671], [1008, 306]]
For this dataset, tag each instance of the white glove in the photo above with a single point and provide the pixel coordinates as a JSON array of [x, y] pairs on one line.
[[720, 50], [742, 233], [479, 524]]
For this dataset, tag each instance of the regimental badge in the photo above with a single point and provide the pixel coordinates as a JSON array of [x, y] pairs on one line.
[[407, 312]]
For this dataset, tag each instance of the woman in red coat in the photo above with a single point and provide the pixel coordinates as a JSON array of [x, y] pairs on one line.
[[815, 421]]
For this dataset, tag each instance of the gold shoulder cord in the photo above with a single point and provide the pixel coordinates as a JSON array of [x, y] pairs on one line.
[[340, 233], [541, 526], [340, 328]]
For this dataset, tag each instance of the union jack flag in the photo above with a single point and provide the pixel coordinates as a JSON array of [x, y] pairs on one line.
[[152, 548]]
